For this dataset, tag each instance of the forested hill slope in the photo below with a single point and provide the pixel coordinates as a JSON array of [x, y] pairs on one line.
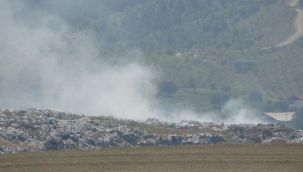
[[165, 25], [206, 51]]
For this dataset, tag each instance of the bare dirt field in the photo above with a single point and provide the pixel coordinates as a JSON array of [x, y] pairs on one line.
[[275, 157]]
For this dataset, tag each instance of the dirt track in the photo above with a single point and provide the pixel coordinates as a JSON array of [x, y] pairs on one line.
[[298, 24]]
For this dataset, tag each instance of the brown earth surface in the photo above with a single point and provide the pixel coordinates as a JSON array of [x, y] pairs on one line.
[[267, 158]]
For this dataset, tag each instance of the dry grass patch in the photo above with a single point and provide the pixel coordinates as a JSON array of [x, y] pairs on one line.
[[277, 158]]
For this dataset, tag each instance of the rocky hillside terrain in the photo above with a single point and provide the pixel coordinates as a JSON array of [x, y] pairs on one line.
[[32, 130]]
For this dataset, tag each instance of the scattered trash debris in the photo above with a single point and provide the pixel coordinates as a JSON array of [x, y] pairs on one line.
[[33, 130]]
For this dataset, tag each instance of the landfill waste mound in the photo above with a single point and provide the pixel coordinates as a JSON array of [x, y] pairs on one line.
[[33, 130]]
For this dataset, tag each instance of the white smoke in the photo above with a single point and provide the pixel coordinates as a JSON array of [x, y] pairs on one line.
[[236, 111], [44, 63]]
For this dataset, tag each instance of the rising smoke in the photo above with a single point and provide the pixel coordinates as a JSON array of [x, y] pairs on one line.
[[45, 63]]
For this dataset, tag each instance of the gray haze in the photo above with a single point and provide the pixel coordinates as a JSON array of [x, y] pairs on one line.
[[45, 63]]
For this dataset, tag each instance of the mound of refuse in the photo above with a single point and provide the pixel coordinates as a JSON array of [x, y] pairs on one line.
[[34, 130]]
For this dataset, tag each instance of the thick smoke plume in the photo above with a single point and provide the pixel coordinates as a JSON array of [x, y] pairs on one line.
[[44, 63]]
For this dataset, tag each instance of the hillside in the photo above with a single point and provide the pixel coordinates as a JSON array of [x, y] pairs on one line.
[[174, 25], [209, 51], [207, 79]]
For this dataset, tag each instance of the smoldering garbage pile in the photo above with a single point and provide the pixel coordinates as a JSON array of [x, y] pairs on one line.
[[33, 130]]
